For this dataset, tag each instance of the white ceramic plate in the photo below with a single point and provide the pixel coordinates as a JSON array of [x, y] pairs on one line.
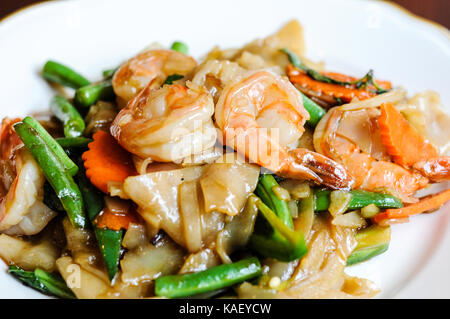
[[351, 36]]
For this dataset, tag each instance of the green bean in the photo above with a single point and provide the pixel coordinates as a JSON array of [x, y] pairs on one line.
[[175, 286], [59, 73], [359, 200], [109, 241], [90, 94], [264, 190], [180, 47], [64, 111], [109, 73], [315, 111], [45, 282], [68, 164], [51, 199], [63, 184], [68, 142]]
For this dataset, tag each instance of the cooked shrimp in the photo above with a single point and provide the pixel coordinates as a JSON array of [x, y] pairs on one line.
[[167, 124], [437, 169], [259, 101], [356, 146], [215, 74], [21, 189], [150, 66]]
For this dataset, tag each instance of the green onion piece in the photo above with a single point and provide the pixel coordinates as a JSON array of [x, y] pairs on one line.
[[171, 78], [45, 282], [109, 241], [265, 191]]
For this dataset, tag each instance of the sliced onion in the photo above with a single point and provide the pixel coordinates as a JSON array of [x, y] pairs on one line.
[[393, 96], [351, 219], [339, 202]]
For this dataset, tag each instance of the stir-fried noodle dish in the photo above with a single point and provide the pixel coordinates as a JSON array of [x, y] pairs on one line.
[[249, 173]]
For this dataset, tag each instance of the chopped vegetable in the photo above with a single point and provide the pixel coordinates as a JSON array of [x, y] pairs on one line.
[[109, 73], [180, 47], [341, 93], [297, 189], [372, 242], [305, 219], [90, 94], [68, 142], [55, 173], [265, 190], [59, 73], [315, 111], [339, 202], [336, 78], [218, 277], [402, 141], [106, 161], [275, 239], [341, 87], [369, 211], [45, 282], [427, 203], [359, 200], [173, 77], [68, 115], [281, 193], [109, 241], [351, 219], [115, 221], [293, 207], [68, 164]]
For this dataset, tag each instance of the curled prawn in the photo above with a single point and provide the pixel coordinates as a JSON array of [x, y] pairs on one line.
[[22, 211], [149, 66], [215, 74], [352, 138], [167, 124], [260, 114]]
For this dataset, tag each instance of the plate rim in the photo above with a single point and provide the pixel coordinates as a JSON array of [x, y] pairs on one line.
[[402, 291]]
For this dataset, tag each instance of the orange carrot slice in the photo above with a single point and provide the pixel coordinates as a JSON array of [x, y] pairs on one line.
[[345, 93], [106, 161], [402, 141], [115, 220], [428, 203]]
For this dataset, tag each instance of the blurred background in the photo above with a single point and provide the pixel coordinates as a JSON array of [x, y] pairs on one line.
[[435, 10]]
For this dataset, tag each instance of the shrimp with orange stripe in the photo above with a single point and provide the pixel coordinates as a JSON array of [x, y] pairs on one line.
[[248, 110]]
